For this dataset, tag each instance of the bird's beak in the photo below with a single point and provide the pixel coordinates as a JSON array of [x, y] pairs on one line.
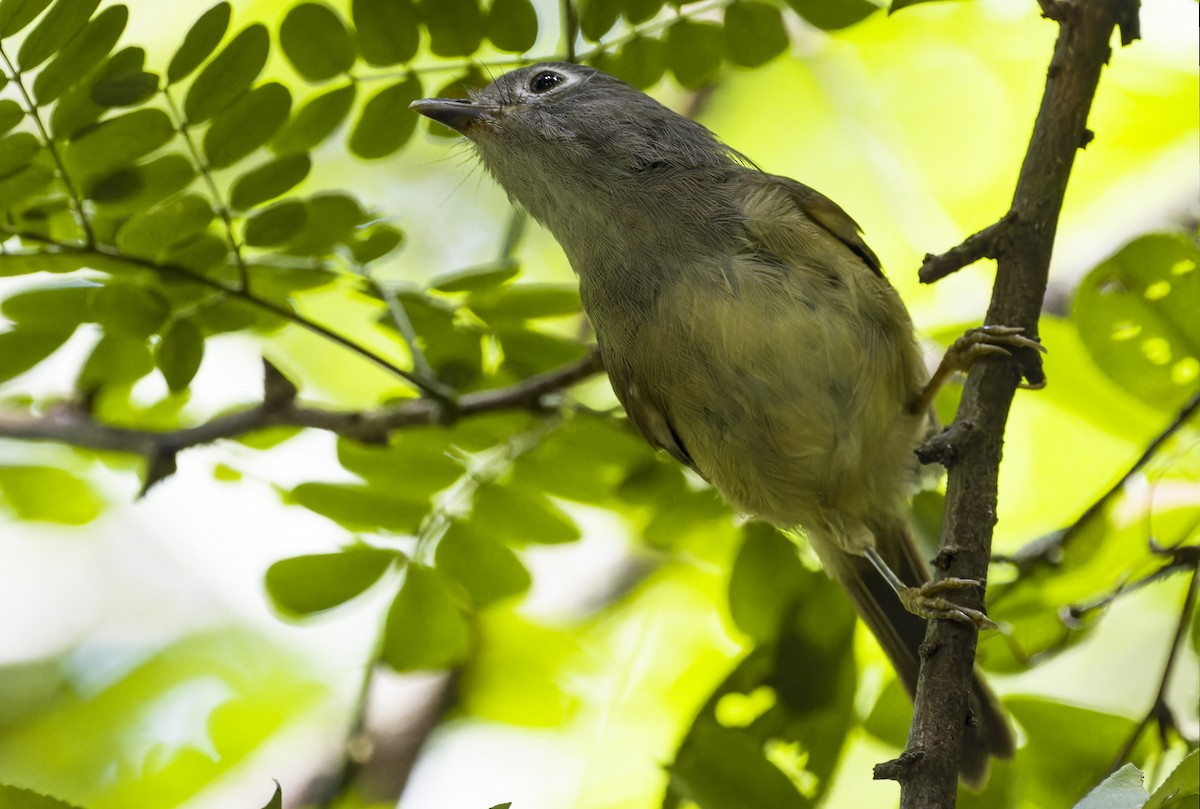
[[456, 113]]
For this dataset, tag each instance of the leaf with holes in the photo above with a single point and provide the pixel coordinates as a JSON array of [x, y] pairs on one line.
[[148, 234], [246, 124], [201, 40], [388, 31], [455, 26], [386, 123], [62, 22], [754, 33], [179, 354], [315, 121], [512, 25], [1136, 313], [316, 42], [272, 179], [425, 628], [304, 585], [228, 75], [81, 54]]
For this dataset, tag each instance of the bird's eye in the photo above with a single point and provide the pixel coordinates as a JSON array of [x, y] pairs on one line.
[[545, 81]]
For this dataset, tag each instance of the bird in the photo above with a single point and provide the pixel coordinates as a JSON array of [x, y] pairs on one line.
[[747, 330]]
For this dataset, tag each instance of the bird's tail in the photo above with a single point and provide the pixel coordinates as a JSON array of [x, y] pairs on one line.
[[901, 633]]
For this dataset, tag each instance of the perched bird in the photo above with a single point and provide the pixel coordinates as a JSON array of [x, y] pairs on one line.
[[747, 329]]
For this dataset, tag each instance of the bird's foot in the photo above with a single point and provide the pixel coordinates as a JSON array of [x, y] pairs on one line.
[[989, 341], [928, 602]]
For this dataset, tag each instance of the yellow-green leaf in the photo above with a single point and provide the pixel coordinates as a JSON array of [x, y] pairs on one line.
[[179, 354], [425, 627], [148, 234], [63, 21], [303, 585], [129, 309], [81, 54]]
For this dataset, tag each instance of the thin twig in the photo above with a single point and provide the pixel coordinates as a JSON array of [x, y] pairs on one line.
[[979, 245], [32, 111]]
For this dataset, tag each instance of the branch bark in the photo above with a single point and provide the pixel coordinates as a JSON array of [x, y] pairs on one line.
[[1022, 243]]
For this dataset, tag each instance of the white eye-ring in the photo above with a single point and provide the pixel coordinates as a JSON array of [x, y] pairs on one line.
[[545, 81]]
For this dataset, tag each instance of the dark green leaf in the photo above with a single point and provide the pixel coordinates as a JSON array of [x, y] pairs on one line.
[[273, 281], [1136, 313], [129, 309], [1121, 790], [455, 26], [388, 30], [754, 33], [762, 585], [425, 628], [333, 219], [16, 152], [179, 354], [526, 302], [512, 25], [81, 54], [198, 253], [148, 234], [18, 187], [833, 16], [315, 120], [476, 278], [641, 61], [16, 798], [386, 123], [517, 517], [116, 360], [488, 570], [375, 242], [23, 348], [59, 307], [270, 180], [639, 11], [726, 768], [316, 42], [362, 508], [454, 349], [201, 40], [304, 585], [118, 142], [228, 75], [139, 187], [899, 4], [276, 801], [63, 21], [75, 110], [40, 261], [126, 89], [246, 124], [528, 352], [11, 114], [597, 17], [47, 494], [276, 224], [694, 52], [16, 14]]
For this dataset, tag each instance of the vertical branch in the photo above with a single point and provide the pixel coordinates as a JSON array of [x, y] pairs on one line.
[[929, 777]]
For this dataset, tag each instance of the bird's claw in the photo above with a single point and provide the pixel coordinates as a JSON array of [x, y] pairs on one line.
[[927, 602]]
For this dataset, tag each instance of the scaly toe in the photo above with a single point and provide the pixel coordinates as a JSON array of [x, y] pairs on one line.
[[925, 602]]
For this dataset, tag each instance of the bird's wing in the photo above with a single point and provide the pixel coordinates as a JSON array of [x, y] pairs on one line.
[[767, 222]]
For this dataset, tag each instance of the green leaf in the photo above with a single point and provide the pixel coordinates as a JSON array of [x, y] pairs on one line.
[[375, 242], [754, 33], [16, 14], [129, 309], [118, 142], [15, 798], [198, 253], [833, 16], [512, 25], [76, 110], [47, 494], [148, 234], [228, 75], [16, 151], [517, 517], [276, 224], [304, 585], [528, 352], [333, 219], [455, 26], [272, 179], [21, 185], [116, 360], [476, 278], [22, 348], [59, 307], [315, 121], [526, 302], [641, 61], [425, 628], [763, 583], [694, 52], [63, 21], [316, 42], [179, 354], [246, 124], [11, 114], [488, 570], [199, 43], [1182, 783], [1136, 313], [81, 55], [126, 89], [388, 31], [276, 801], [725, 768], [41, 261], [385, 123], [363, 508], [1121, 790], [597, 17], [416, 461], [141, 186], [639, 11]]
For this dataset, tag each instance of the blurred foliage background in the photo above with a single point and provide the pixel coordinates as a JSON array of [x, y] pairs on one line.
[[521, 602]]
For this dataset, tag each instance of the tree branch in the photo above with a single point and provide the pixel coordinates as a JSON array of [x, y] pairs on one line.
[[1023, 243], [70, 425]]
